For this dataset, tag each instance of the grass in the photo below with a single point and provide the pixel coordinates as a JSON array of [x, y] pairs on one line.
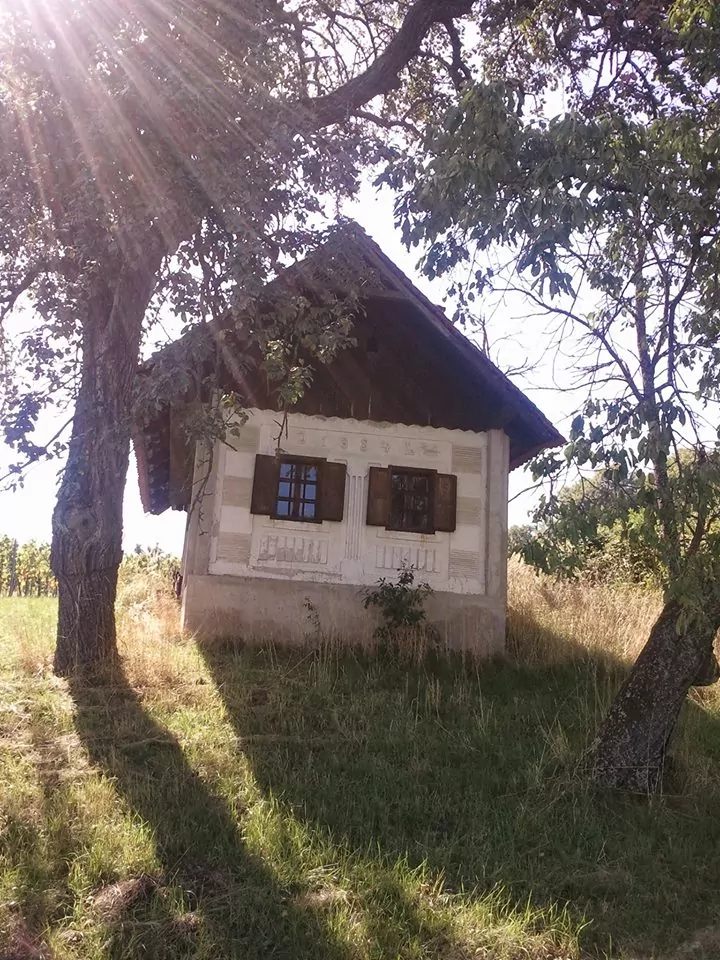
[[227, 803]]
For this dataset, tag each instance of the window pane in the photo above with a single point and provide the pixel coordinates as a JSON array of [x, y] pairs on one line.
[[297, 490], [410, 501]]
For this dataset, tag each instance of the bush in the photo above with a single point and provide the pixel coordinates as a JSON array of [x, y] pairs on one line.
[[401, 605]]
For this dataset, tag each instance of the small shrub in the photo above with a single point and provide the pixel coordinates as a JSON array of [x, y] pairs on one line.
[[402, 607]]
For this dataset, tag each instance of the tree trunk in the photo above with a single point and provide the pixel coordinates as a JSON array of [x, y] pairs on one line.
[[87, 520], [630, 749]]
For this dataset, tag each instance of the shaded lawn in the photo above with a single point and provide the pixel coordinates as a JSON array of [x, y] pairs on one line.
[[287, 805]]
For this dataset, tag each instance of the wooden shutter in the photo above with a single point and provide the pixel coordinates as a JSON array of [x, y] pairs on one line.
[[378, 507], [265, 485], [445, 501], [332, 491]]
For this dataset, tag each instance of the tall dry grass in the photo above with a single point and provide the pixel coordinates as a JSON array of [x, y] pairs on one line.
[[153, 648], [150, 641], [551, 622]]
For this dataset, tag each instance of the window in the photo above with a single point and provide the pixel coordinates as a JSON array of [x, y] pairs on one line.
[[297, 493], [303, 489], [417, 501], [411, 500]]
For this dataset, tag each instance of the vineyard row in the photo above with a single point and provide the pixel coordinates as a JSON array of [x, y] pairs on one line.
[[25, 568]]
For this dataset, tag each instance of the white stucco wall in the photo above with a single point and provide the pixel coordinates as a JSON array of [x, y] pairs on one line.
[[226, 541]]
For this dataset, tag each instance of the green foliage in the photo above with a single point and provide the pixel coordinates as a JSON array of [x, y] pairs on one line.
[[606, 218], [25, 568], [214, 140], [152, 561], [401, 604], [519, 537], [390, 810], [608, 531]]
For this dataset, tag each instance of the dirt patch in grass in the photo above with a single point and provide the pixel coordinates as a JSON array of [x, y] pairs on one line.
[[115, 899]]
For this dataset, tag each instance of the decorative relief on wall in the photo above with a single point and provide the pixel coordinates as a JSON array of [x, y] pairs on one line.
[[375, 445], [234, 547], [469, 510], [465, 564], [236, 491], [466, 459], [355, 516], [394, 557], [293, 550]]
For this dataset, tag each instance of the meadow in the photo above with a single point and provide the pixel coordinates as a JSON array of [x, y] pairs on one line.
[[236, 803]]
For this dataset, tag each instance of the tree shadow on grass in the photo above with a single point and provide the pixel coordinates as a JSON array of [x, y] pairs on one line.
[[472, 769], [213, 898]]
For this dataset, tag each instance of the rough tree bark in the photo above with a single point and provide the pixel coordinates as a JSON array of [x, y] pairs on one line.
[[630, 749], [87, 520]]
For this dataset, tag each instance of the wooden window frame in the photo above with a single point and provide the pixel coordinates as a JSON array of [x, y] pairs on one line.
[[305, 461], [416, 471]]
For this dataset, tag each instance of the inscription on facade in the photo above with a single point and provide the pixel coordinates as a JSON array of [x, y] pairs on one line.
[[325, 442]]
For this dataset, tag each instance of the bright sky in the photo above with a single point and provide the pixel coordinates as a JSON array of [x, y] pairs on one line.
[[26, 513]]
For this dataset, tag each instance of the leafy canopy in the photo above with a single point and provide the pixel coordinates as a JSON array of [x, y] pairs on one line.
[[212, 139], [605, 211]]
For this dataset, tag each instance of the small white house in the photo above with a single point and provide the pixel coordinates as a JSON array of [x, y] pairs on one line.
[[398, 454]]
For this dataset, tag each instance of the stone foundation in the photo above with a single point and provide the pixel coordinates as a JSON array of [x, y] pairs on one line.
[[254, 609]]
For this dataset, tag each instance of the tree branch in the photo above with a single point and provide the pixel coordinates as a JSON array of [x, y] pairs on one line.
[[382, 76], [9, 299], [17, 470]]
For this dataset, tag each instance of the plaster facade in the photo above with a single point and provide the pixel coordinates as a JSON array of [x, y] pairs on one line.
[[251, 576]]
